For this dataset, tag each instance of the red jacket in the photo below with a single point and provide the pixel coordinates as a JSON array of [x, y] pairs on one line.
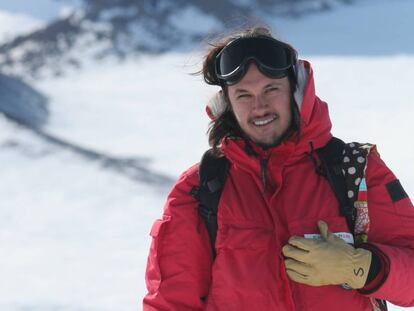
[[248, 272]]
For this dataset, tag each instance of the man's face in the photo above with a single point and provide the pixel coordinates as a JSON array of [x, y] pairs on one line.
[[261, 106]]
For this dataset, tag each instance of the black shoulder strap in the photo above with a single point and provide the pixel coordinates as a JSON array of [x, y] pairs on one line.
[[331, 157], [212, 175]]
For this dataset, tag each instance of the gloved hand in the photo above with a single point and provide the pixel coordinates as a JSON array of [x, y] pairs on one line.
[[330, 261]]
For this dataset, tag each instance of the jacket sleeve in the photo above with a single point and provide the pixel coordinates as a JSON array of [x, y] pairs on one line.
[[179, 263], [391, 233]]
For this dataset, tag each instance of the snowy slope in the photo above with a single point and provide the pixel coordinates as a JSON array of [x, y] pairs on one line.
[[13, 24], [74, 235]]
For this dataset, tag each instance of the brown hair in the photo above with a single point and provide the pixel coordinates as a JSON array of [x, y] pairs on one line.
[[226, 124]]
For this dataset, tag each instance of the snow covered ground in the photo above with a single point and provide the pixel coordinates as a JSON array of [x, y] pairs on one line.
[[16, 24], [74, 235]]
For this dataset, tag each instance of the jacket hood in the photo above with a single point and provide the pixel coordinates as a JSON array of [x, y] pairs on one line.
[[315, 123], [314, 113]]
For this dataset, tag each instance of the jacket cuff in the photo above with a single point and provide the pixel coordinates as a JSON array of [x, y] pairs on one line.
[[378, 271]]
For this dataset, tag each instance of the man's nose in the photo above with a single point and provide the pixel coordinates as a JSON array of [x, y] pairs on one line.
[[259, 103]]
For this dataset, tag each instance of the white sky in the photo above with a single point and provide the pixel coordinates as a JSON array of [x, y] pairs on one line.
[[45, 10]]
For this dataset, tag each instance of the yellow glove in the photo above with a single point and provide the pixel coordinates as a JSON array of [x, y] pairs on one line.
[[330, 261]]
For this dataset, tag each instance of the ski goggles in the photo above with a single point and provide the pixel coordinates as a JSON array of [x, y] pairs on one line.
[[273, 58]]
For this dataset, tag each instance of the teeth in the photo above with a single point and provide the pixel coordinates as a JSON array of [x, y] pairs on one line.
[[264, 122]]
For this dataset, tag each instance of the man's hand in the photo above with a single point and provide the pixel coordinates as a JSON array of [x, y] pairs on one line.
[[330, 261]]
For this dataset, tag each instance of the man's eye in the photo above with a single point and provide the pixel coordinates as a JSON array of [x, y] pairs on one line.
[[273, 89], [242, 96]]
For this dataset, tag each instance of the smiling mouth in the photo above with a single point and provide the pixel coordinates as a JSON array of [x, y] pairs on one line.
[[265, 121]]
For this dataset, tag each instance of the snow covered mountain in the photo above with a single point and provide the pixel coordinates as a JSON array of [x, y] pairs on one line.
[[101, 29]]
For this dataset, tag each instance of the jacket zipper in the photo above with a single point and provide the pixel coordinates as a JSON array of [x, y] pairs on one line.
[[263, 168]]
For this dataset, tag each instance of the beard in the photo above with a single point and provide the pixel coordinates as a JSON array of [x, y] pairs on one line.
[[277, 140]]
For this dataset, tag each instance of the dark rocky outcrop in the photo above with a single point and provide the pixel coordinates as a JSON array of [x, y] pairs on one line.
[[22, 103]]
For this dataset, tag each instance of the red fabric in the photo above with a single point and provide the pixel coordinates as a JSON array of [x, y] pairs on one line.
[[248, 272]]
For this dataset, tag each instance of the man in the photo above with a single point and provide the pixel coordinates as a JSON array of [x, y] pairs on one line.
[[281, 243]]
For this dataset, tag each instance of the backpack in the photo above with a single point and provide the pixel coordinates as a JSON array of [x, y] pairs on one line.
[[342, 164]]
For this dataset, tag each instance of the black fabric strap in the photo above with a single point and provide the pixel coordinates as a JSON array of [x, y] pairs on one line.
[[212, 174], [374, 268], [331, 159], [396, 190]]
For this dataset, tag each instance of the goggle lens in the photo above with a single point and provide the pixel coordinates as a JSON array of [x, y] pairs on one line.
[[273, 58]]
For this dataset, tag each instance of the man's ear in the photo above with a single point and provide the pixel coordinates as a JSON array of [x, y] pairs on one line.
[[217, 105]]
